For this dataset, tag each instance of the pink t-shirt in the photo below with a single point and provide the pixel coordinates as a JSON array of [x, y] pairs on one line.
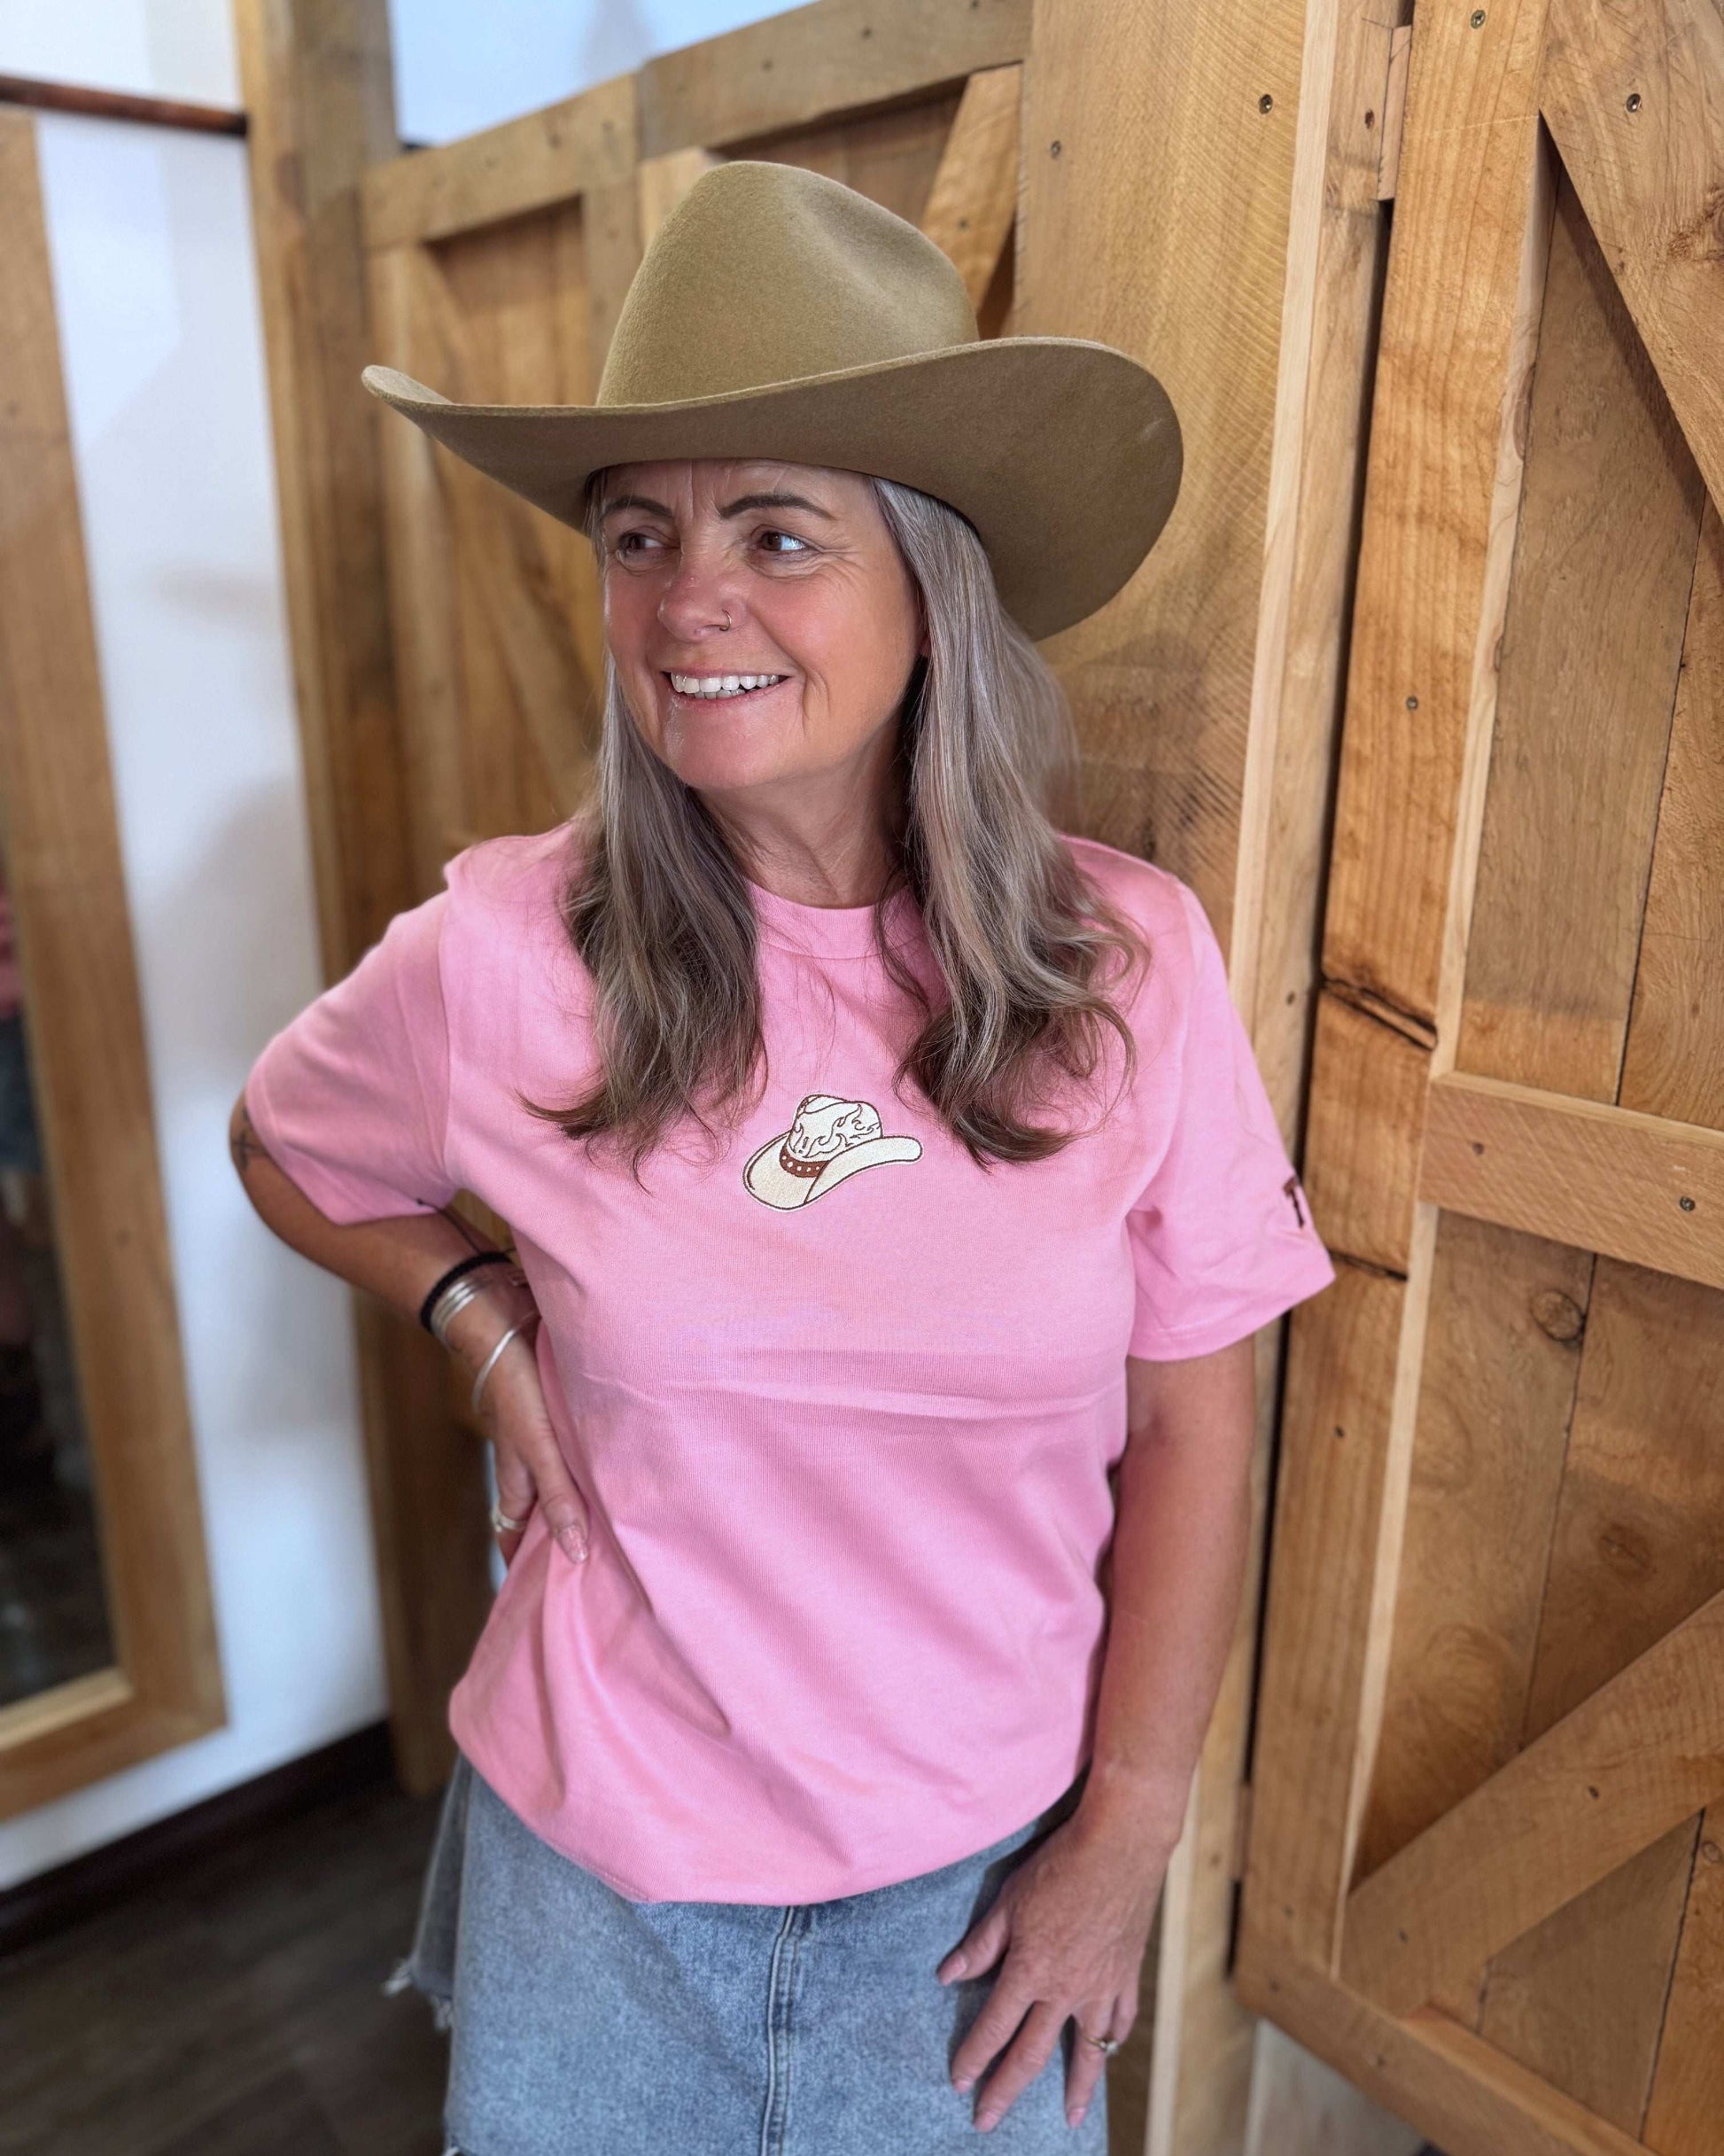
[[842, 1404]]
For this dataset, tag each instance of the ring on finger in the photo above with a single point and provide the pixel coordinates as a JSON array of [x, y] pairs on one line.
[[1107, 2044], [501, 1524]]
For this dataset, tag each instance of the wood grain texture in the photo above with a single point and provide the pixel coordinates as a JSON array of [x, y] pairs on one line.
[[1469, 2097], [1634, 97], [1502, 1348], [528, 164], [1337, 1410], [1580, 1998], [1674, 1063], [1337, 246], [974, 200], [1591, 648], [663, 181], [1369, 1083], [820, 62], [1459, 325], [1687, 2093], [1633, 1761], [91, 1079], [1582, 1171], [892, 157], [318, 86], [1148, 159]]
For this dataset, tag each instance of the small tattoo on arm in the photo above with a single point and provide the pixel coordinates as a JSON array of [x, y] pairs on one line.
[[243, 1142]]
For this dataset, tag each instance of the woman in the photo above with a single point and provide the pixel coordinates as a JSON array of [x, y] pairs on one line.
[[890, 1178]]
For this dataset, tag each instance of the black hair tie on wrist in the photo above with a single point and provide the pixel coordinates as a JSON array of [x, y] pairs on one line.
[[467, 1265]]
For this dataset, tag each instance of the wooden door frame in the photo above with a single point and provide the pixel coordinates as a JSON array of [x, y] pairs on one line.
[[92, 1083], [1398, 1135]]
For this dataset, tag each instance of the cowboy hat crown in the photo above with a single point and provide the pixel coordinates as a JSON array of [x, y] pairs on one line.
[[781, 314]]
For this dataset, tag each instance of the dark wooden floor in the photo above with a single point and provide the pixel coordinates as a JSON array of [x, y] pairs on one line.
[[234, 2007]]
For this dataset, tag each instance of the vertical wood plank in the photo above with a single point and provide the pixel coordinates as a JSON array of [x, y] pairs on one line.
[[974, 198], [1591, 648], [1149, 157], [318, 89], [1338, 1405], [1455, 317]]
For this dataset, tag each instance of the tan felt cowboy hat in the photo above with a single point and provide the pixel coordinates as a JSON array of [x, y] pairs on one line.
[[778, 314]]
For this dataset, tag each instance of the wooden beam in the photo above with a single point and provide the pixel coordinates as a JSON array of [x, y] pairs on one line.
[[1470, 2097], [527, 164], [818, 63], [973, 201], [1645, 1753], [1635, 98], [1631, 1186], [318, 85], [663, 181]]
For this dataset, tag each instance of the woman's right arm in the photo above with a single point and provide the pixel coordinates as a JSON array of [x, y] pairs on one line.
[[401, 1260]]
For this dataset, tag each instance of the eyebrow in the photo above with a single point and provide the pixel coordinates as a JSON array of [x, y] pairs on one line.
[[728, 508]]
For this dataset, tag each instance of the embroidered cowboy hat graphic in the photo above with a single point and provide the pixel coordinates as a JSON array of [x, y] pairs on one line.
[[830, 1140]]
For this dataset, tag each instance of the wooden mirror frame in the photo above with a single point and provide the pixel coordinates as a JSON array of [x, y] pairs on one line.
[[88, 1056]]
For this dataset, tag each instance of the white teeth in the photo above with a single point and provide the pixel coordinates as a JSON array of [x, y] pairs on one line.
[[711, 686]]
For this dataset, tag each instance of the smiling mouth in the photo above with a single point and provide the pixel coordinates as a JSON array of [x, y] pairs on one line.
[[721, 688]]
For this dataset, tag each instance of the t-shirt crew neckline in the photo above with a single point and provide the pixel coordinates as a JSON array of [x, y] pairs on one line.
[[827, 931]]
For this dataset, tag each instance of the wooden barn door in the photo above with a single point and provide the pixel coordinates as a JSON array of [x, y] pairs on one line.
[[1483, 1875]]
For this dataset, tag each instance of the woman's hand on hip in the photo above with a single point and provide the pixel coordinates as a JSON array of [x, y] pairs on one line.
[[531, 1471], [1069, 1928]]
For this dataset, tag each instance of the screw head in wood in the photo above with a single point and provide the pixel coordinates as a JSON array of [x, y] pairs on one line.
[[1477, 19], [1413, 704], [1687, 1204], [1265, 104], [1634, 101]]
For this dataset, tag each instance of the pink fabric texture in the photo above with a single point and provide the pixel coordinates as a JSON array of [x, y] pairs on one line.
[[842, 1404]]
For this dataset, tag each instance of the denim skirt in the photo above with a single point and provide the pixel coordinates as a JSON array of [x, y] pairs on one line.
[[582, 2023]]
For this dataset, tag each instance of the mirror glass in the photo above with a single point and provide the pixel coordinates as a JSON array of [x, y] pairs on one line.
[[53, 1604]]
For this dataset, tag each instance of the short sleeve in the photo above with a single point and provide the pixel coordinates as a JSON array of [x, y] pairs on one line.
[[351, 1099], [1222, 1238]]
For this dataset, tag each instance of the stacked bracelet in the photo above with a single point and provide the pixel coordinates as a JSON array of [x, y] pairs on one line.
[[468, 1290], [455, 1273], [491, 1360]]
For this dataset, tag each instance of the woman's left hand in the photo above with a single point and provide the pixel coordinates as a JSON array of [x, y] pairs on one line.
[[1073, 1922]]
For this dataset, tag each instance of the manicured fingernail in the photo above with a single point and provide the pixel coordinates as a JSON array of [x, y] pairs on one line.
[[1075, 2118], [573, 1546], [964, 2083], [956, 1966], [987, 2120]]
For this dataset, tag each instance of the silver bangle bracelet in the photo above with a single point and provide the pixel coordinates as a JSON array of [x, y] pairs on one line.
[[490, 1362], [455, 1298]]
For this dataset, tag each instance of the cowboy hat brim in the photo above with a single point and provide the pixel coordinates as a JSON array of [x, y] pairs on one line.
[[778, 1187], [1065, 455]]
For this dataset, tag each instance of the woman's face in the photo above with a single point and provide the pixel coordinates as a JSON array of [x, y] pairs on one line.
[[797, 694]]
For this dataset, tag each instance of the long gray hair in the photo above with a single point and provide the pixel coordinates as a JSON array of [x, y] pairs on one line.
[[658, 911]]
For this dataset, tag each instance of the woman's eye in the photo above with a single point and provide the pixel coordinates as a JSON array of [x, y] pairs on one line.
[[792, 544], [633, 543]]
